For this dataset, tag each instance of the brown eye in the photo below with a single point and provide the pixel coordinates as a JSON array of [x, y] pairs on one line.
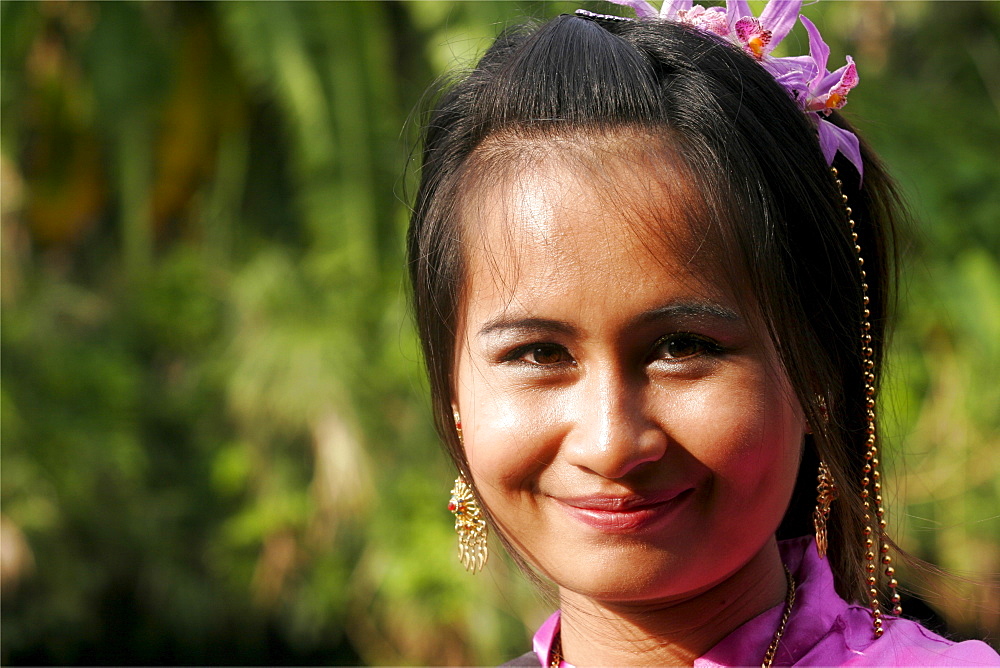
[[680, 346], [545, 355]]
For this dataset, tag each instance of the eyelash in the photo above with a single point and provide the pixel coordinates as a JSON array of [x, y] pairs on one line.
[[518, 354], [707, 347]]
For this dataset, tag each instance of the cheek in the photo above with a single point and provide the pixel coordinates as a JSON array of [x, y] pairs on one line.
[[504, 431], [748, 433]]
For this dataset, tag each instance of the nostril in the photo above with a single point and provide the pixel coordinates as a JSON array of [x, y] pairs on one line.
[[617, 454]]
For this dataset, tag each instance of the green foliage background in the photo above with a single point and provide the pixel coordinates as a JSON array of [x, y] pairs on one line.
[[216, 442]]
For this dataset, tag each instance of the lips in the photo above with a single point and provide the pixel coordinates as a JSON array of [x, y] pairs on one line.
[[626, 513]]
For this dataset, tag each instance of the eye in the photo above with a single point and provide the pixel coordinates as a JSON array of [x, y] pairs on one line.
[[544, 354], [682, 345]]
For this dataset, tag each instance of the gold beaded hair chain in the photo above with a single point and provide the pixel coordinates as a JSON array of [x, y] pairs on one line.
[[871, 485]]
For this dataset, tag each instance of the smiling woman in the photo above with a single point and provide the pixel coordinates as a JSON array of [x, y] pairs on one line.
[[616, 404], [650, 323]]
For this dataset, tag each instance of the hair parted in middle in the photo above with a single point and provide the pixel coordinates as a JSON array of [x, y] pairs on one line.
[[768, 200]]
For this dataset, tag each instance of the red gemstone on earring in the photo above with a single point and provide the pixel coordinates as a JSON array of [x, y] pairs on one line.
[[452, 507]]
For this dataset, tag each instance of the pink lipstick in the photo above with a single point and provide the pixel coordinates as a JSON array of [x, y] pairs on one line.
[[626, 513]]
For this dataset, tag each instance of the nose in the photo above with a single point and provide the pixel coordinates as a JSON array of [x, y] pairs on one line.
[[612, 433]]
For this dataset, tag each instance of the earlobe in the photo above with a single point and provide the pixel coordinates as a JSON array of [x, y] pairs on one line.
[[458, 423], [824, 413]]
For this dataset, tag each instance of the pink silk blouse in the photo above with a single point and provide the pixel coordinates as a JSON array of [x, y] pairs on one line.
[[823, 630]]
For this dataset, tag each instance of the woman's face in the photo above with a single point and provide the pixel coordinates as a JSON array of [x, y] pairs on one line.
[[624, 417]]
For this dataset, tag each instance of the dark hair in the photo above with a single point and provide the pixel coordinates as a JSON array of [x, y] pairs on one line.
[[770, 194]]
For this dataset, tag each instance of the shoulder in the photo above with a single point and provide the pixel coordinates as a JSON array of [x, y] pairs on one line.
[[526, 659], [907, 643]]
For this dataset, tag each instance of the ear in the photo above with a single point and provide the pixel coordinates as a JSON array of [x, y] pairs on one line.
[[458, 422], [824, 412]]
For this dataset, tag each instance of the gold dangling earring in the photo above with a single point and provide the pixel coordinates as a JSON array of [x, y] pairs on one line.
[[826, 492], [473, 550], [871, 484]]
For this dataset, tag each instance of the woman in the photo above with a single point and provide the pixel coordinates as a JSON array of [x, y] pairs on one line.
[[652, 267]]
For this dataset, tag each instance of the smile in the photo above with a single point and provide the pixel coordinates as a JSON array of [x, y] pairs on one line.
[[624, 514]]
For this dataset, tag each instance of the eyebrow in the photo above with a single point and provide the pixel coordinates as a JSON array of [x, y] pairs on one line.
[[685, 310], [526, 326]]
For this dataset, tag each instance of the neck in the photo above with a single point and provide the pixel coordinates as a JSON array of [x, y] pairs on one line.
[[673, 632]]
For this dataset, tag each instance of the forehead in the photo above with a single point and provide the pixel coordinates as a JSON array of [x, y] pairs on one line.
[[611, 213]]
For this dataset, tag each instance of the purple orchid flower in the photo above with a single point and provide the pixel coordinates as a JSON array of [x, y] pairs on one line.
[[821, 91], [815, 89], [759, 36]]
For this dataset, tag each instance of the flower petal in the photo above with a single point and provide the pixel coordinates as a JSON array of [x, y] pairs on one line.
[[711, 20], [792, 73], [828, 139], [833, 139], [802, 67], [818, 50], [779, 17], [671, 8], [736, 10], [753, 37], [850, 77], [643, 9]]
